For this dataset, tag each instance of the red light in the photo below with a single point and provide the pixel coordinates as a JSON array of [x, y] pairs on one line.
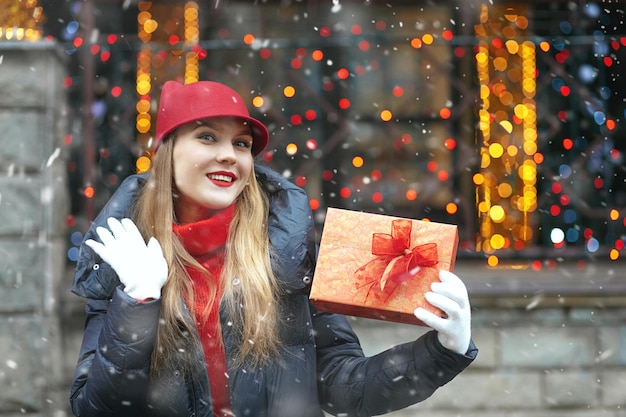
[[608, 61], [300, 181], [568, 143], [89, 192], [173, 39], [310, 115], [343, 74], [598, 183], [345, 192], [377, 197], [105, 56], [116, 91], [356, 29], [565, 91], [77, 42], [449, 144], [555, 210], [325, 31], [268, 156], [300, 53], [536, 265], [327, 175], [376, 175], [296, 63], [111, 39], [296, 119], [311, 144], [432, 166], [364, 45], [265, 53], [447, 35], [314, 204], [564, 200], [344, 103], [397, 91]]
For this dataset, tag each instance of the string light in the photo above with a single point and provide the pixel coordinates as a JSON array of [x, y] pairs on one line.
[[506, 184]]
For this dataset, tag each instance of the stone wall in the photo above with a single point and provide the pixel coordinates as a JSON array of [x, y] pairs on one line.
[[552, 344], [33, 206]]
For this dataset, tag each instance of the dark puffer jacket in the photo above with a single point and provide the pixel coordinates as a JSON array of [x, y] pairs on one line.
[[322, 367]]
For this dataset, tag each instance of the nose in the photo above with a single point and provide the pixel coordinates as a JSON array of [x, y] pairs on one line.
[[226, 152]]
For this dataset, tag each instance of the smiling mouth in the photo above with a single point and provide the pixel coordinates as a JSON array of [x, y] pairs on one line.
[[220, 177]]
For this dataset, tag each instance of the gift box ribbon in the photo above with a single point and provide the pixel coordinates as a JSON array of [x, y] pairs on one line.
[[401, 262]]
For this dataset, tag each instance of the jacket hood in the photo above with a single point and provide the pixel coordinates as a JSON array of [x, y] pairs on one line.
[[291, 233]]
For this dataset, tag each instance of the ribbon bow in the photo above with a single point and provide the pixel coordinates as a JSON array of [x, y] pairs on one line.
[[396, 261]]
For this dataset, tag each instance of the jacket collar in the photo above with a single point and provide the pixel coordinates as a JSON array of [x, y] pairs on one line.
[[291, 233]]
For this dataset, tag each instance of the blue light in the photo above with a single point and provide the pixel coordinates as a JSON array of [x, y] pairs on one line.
[[72, 254]]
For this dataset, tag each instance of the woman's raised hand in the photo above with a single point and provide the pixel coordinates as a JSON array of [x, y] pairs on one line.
[[140, 267]]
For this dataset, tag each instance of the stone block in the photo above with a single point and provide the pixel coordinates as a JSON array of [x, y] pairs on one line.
[[488, 350], [612, 349], [570, 388], [31, 74], [477, 390], [22, 144], [22, 347], [21, 275], [613, 382], [545, 347], [34, 205], [376, 335]]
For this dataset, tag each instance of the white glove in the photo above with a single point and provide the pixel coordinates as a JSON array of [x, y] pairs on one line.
[[140, 267], [449, 295]]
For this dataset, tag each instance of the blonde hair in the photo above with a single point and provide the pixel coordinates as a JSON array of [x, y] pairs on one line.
[[250, 288]]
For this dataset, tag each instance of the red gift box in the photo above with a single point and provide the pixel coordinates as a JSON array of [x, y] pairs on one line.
[[378, 266]]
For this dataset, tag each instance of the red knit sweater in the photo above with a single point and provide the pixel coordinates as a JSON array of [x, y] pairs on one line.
[[205, 241]]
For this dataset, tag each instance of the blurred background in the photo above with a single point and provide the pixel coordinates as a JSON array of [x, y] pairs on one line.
[[504, 118]]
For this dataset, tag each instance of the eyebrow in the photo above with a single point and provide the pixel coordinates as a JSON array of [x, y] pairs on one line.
[[245, 129]]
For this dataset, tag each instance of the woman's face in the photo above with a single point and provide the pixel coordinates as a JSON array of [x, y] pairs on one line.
[[212, 161]]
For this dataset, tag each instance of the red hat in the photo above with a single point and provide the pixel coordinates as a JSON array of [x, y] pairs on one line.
[[180, 104]]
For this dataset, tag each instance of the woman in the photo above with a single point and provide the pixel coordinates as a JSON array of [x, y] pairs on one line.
[[211, 317]]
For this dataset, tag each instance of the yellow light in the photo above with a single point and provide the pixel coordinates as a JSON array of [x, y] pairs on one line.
[[614, 254], [512, 46], [544, 46], [143, 88], [521, 111], [497, 213], [451, 208], [427, 38], [289, 91], [496, 150], [291, 149], [143, 106], [492, 261], [512, 150], [483, 207], [614, 214], [143, 164], [505, 190], [143, 17], [500, 64], [385, 115], [478, 178], [150, 25], [506, 125], [530, 148], [357, 162], [258, 101], [497, 241]]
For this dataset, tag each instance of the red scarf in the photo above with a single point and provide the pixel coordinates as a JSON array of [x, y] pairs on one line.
[[206, 242]]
